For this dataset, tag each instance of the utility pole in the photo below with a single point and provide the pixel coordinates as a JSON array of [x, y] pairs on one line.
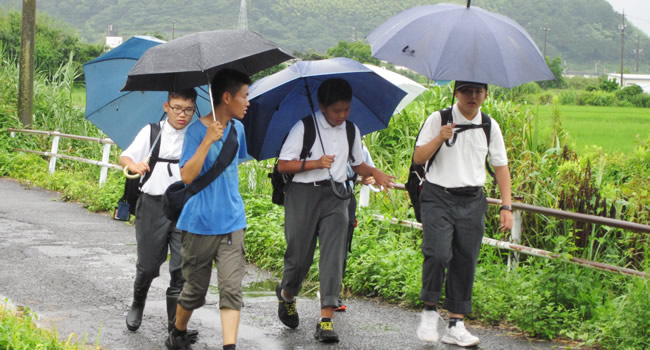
[[637, 52], [545, 28], [243, 17], [173, 28], [621, 28], [26, 75]]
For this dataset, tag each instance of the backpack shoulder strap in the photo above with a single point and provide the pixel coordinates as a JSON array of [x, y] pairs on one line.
[[309, 136], [445, 118], [351, 133], [487, 125], [487, 128], [154, 134]]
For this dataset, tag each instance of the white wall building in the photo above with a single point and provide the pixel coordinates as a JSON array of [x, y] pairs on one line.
[[643, 80]]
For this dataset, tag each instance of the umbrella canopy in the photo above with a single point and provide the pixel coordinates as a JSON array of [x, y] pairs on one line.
[[121, 115], [452, 42], [282, 99], [194, 59], [413, 89]]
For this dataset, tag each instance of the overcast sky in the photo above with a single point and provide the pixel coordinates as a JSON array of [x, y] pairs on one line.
[[636, 11]]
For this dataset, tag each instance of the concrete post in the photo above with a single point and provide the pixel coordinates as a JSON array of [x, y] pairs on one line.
[[54, 151], [26, 77], [105, 158]]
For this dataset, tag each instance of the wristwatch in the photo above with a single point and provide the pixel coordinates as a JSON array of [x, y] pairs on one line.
[[505, 207]]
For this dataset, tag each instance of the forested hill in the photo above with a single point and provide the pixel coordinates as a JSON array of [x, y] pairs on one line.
[[583, 32]]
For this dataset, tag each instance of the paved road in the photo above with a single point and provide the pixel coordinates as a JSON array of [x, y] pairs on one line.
[[75, 269]]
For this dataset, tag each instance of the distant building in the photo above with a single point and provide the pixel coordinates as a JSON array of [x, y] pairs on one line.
[[643, 80], [112, 39]]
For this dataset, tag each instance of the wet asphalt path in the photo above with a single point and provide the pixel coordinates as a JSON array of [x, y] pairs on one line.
[[76, 268]]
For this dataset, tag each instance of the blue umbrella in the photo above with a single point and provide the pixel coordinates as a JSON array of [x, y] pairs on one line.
[[452, 42], [121, 115], [282, 99]]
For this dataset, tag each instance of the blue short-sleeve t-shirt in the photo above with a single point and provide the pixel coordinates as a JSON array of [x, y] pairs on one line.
[[218, 209]]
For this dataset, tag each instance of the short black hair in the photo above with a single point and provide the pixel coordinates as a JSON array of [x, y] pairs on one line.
[[334, 90], [228, 80], [186, 94]]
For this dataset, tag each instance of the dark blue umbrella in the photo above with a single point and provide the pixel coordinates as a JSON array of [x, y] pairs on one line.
[[282, 99], [121, 115], [452, 42]]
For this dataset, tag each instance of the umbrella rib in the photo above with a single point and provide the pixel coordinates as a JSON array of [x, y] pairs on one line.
[[109, 102]]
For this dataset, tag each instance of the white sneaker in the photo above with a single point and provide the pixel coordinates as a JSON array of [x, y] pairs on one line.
[[459, 335], [428, 329]]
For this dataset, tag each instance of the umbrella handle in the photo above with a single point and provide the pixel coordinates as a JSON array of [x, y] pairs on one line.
[[348, 192], [128, 175]]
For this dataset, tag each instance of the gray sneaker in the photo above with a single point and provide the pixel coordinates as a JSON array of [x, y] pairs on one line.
[[178, 342]]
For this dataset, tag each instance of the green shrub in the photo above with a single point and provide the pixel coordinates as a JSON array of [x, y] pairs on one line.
[[596, 98], [567, 97]]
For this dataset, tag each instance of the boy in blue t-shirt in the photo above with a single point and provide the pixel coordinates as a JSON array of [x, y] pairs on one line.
[[213, 221]]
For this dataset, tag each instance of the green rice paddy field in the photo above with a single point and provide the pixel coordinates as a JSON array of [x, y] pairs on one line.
[[614, 129]]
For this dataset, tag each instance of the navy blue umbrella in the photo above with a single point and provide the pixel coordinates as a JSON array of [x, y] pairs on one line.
[[282, 99], [452, 42], [121, 115]]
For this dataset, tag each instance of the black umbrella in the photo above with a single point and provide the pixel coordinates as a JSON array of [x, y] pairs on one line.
[[194, 59]]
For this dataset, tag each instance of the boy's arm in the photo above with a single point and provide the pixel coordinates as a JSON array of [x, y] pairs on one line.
[[424, 152], [502, 174], [135, 168], [192, 167], [381, 179], [298, 166]]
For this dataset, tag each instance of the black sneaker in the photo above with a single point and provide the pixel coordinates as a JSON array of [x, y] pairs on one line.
[[286, 310], [176, 341], [325, 333]]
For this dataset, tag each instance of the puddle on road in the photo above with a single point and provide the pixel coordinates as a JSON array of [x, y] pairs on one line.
[[261, 289]]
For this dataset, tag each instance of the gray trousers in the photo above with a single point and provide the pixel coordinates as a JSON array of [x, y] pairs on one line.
[[154, 234], [311, 213], [453, 228]]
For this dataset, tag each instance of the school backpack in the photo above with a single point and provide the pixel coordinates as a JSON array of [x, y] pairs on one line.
[[133, 187], [417, 172], [280, 180]]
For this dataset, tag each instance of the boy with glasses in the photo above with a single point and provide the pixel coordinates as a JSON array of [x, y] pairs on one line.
[[153, 231], [453, 207]]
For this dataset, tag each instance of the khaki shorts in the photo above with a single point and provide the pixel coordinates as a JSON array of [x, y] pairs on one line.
[[228, 254]]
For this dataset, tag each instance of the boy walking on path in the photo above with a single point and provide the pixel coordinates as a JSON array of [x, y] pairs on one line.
[[312, 210], [213, 221], [453, 208], [153, 231]]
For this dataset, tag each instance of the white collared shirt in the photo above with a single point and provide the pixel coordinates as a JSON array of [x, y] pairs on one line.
[[463, 164], [335, 141], [171, 145]]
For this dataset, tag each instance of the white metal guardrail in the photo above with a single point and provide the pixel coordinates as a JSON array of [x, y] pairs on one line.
[[54, 152], [518, 208]]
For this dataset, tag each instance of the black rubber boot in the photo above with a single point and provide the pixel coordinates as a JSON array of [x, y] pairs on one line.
[[140, 290], [172, 301]]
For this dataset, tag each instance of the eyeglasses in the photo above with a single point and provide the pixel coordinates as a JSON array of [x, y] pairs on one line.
[[178, 110]]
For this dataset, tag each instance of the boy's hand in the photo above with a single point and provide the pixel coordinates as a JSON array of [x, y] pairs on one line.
[[325, 162], [139, 168], [383, 180], [447, 131], [368, 180], [214, 133], [505, 220]]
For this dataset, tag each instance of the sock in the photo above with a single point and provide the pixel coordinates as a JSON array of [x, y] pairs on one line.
[[230, 347], [325, 319], [428, 307], [452, 321], [288, 300]]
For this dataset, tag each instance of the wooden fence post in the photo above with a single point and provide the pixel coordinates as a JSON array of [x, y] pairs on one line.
[[105, 158]]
